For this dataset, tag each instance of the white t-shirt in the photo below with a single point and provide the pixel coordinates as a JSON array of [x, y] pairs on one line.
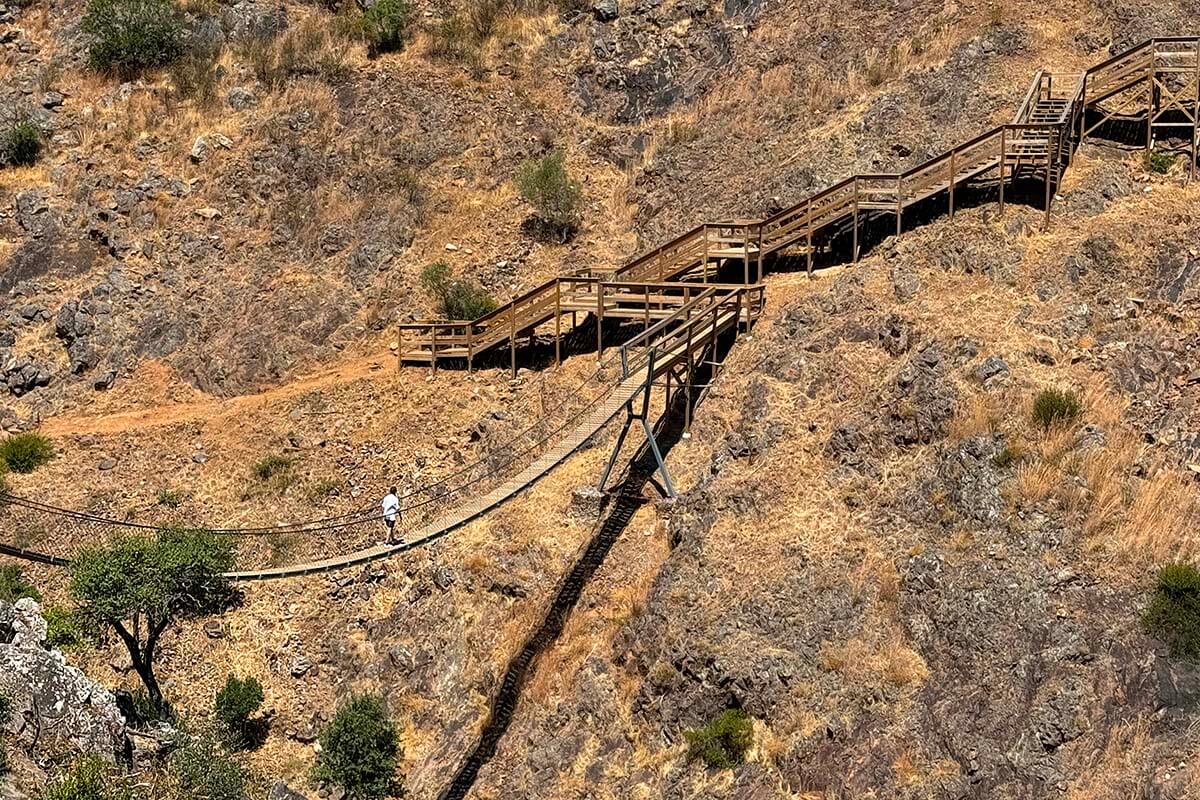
[[391, 506]]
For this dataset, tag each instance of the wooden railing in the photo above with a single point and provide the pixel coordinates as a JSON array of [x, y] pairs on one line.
[[1039, 141]]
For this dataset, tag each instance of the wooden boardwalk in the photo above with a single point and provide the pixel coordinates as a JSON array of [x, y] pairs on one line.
[[673, 291]]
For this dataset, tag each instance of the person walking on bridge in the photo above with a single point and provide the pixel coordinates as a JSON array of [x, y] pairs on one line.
[[391, 513]]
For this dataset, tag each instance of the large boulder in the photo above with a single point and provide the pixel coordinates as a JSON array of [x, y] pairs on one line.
[[53, 700]]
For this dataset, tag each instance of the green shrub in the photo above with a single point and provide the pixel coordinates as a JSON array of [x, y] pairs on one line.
[[13, 585], [1159, 162], [63, 627], [359, 750], [234, 705], [270, 466], [385, 25], [555, 197], [201, 769], [171, 498], [1054, 406], [90, 779], [128, 36], [1174, 611], [457, 299], [450, 40], [1011, 454], [310, 49], [20, 144], [723, 742], [3, 760], [25, 452]]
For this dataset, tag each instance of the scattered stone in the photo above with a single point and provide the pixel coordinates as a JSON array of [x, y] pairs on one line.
[[213, 629], [990, 368], [52, 100], [240, 98], [208, 213], [586, 503], [107, 464], [281, 791], [299, 667], [199, 457], [605, 10], [105, 381]]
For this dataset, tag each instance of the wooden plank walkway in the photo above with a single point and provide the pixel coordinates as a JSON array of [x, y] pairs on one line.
[[476, 507]]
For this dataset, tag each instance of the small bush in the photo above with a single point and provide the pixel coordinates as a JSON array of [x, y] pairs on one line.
[[5, 709], [201, 769], [457, 299], [63, 627], [171, 498], [724, 742], [449, 40], [359, 750], [271, 466], [196, 75], [1174, 611], [555, 197], [1010, 455], [385, 25], [1159, 162], [13, 585], [90, 779], [25, 452], [20, 144], [1054, 406], [233, 707], [128, 36]]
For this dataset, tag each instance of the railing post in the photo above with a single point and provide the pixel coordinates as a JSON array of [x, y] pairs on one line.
[[854, 255], [470, 347], [433, 352], [646, 309], [1082, 109], [558, 323], [599, 320], [624, 363], [759, 270], [1150, 91], [399, 348], [1196, 118], [953, 176], [1003, 165], [899, 203], [808, 235], [512, 337], [1049, 169], [745, 257], [704, 257]]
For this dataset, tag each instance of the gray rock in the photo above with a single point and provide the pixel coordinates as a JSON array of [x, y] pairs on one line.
[[299, 667], [52, 100], [585, 504], [199, 458], [240, 98], [281, 791], [106, 464], [605, 10], [991, 367], [53, 700]]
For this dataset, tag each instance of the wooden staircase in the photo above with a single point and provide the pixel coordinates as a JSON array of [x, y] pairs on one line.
[[1161, 76]]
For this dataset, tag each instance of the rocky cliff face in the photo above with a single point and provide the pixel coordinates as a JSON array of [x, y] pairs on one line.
[[53, 702]]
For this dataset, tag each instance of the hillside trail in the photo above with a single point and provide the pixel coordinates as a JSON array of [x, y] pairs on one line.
[[213, 408]]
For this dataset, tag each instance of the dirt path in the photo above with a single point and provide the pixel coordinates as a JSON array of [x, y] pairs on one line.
[[213, 408]]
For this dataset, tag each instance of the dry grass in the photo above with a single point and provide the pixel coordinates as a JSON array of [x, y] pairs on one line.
[[875, 661], [1123, 769]]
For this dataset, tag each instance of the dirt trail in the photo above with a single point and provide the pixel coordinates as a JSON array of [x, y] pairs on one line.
[[214, 408]]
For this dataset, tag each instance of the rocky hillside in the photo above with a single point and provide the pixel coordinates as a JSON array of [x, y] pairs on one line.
[[911, 588]]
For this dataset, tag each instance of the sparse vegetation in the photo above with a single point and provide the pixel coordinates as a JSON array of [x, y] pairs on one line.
[[310, 49], [13, 585], [555, 197], [25, 452], [170, 498], [237, 701], [723, 742], [386, 24], [196, 74], [1158, 162], [359, 750], [139, 585], [1010, 455], [199, 768], [1056, 407], [271, 466], [20, 143], [63, 627], [129, 36], [5, 716], [456, 299], [90, 779], [1174, 611]]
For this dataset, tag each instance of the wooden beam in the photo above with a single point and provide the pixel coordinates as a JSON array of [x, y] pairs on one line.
[[558, 324], [808, 234], [1003, 165], [953, 175], [512, 337], [899, 204], [854, 255]]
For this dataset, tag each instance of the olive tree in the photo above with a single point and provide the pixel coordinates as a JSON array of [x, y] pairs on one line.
[[138, 585]]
